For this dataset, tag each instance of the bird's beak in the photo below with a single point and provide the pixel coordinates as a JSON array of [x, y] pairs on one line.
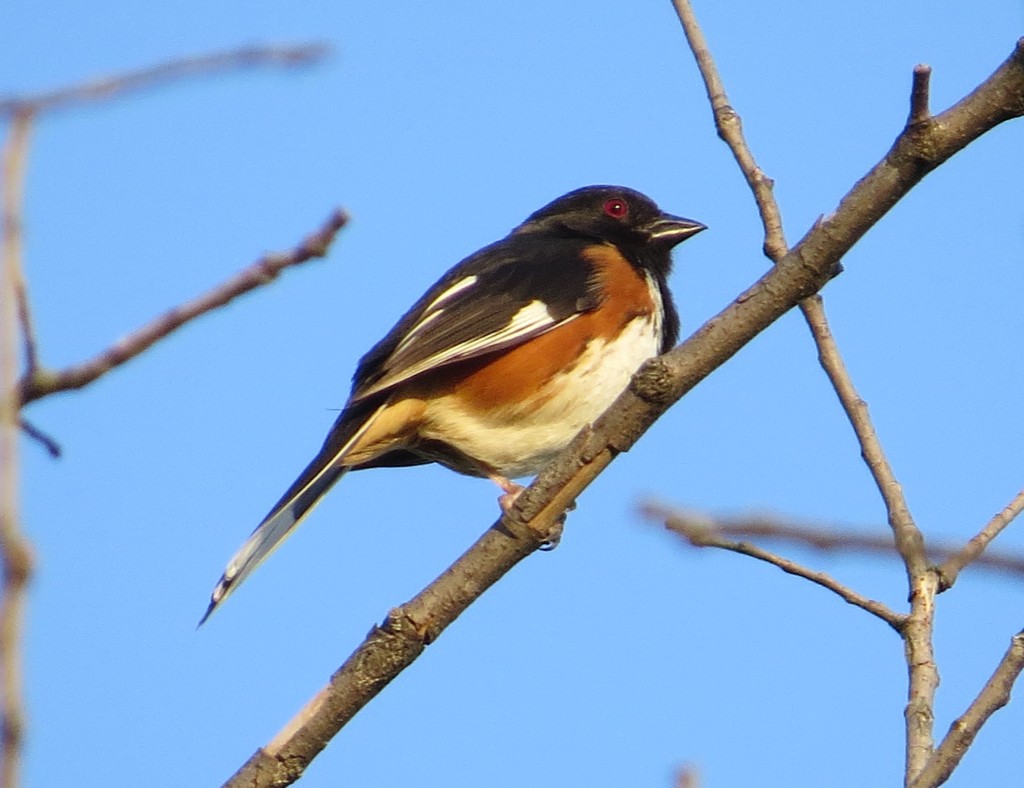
[[668, 230]]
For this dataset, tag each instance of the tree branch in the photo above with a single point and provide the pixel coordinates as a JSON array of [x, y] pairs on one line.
[[659, 383], [922, 671], [730, 129], [919, 95], [907, 162], [170, 71], [110, 87], [15, 309], [994, 695], [52, 447], [41, 382], [704, 534], [15, 556], [15, 163], [909, 541], [974, 550], [827, 539]]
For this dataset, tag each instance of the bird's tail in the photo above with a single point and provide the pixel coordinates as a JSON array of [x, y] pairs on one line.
[[306, 491], [274, 529]]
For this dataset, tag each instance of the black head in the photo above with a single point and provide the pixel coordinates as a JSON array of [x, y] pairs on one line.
[[621, 216]]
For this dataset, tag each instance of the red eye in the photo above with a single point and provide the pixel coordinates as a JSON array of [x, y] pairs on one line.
[[617, 208]]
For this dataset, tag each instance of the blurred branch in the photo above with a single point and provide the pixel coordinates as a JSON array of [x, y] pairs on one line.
[[658, 384], [994, 695], [24, 108], [705, 534], [687, 776], [15, 163], [170, 71], [974, 550], [42, 382], [824, 539], [36, 434], [15, 554]]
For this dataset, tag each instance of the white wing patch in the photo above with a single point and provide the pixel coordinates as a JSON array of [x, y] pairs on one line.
[[434, 310], [417, 329], [454, 290], [531, 320]]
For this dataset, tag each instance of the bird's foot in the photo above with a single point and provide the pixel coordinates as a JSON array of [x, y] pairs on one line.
[[512, 491]]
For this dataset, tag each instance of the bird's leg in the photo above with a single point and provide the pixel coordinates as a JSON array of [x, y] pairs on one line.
[[511, 489]]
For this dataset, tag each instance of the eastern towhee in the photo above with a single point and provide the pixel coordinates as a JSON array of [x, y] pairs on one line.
[[505, 359]]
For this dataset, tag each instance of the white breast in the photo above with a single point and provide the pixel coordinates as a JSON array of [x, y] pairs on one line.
[[518, 442]]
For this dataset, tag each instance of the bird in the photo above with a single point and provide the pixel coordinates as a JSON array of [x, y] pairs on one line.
[[499, 365]]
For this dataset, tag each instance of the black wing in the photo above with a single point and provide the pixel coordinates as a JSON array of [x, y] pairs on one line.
[[497, 298]]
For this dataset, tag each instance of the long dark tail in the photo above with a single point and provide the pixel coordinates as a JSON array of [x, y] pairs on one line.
[[298, 501]]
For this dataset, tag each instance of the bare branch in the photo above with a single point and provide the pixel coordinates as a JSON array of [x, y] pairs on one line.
[[908, 537], [688, 776], [389, 649], [48, 443], [15, 162], [179, 68], [704, 534], [924, 675], [831, 539], [994, 695], [730, 129], [974, 550], [909, 542], [41, 382], [657, 385], [15, 554], [919, 111]]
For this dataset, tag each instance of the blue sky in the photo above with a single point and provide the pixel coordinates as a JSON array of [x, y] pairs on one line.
[[620, 655]]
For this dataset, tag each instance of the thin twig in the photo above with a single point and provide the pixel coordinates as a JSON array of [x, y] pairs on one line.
[[52, 447], [919, 91], [20, 132], [44, 382], [994, 695], [730, 129], [922, 670], [974, 550], [834, 539], [15, 553], [923, 673], [172, 70], [908, 537], [704, 534]]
